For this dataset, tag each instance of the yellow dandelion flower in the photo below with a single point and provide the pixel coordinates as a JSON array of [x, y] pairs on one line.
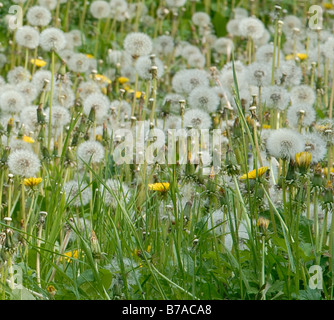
[[38, 62], [69, 255], [101, 78], [128, 89], [28, 139], [263, 223], [301, 56], [32, 182], [252, 174], [160, 186], [123, 80], [328, 5], [51, 289], [89, 56], [99, 137], [104, 91], [149, 247], [303, 159], [266, 126], [325, 171]]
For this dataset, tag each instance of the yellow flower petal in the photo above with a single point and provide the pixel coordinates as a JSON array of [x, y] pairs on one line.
[[160, 186], [101, 78], [123, 80], [74, 254], [28, 139], [38, 62], [32, 182], [301, 56], [252, 174], [89, 56]]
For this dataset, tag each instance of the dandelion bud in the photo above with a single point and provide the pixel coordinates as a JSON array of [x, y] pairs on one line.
[[263, 224], [95, 246]]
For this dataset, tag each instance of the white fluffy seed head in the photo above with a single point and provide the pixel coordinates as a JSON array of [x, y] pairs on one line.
[[78, 62], [48, 4], [285, 143], [42, 78], [90, 152], [101, 104], [27, 37], [52, 39], [275, 97], [300, 114], [100, 9], [303, 94], [138, 44], [185, 80], [77, 194], [251, 27], [259, 74], [17, 75], [197, 119], [315, 145], [12, 101], [118, 189], [175, 3], [23, 163], [203, 98], [38, 16], [60, 116], [28, 90], [144, 65]]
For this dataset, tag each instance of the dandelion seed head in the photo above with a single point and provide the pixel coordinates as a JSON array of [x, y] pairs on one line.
[[144, 65], [17, 75], [201, 19], [100, 9], [38, 80], [12, 101], [121, 191], [203, 98], [163, 45], [77, 194], [27, 37], [251, 27], [52, 39], [101, 104], [316, 145], [175, 3], [285, 143], [275, 97], [48, 4], [259, 74], [300, 111], [38, 16], [90, 152], [302, 94], [138, 44], [78, 63], [60, 116], [28, 90], [23, 163], [198, 119]]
